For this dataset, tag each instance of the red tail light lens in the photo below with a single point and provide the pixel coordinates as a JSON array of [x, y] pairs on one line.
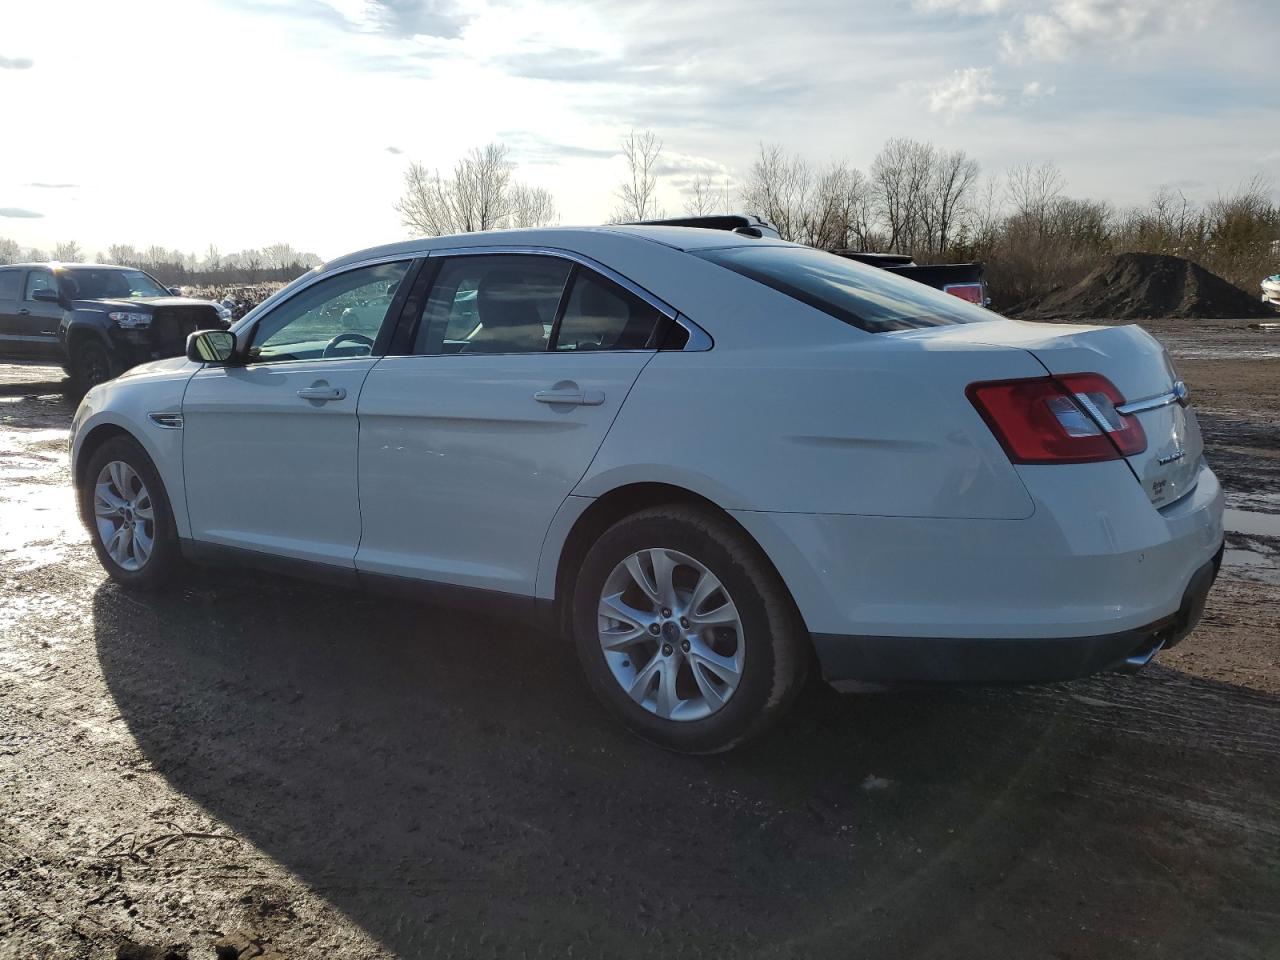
[[1069, 419], [973, 292]]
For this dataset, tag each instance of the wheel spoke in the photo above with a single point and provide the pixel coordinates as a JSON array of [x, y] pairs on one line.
[[663, 571], [726, 668], [118, 546], [715, 695], [668, 699], [638, 574], [142, 509], [140, 545], [120, 477], [725, 614], [632, 620], [707, 585], [639, 688], [105, 502]]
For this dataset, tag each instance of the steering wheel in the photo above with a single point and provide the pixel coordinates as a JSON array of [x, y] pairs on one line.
[[332, 345]]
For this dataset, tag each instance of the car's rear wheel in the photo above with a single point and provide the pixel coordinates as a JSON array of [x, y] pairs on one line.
[[685, 630], [127, 511], [91, 364]]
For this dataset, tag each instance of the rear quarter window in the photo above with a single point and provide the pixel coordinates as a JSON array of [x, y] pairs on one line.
[[866, 297], [9, 282]]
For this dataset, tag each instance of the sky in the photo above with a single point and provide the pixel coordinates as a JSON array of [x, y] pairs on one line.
[[246, 122]]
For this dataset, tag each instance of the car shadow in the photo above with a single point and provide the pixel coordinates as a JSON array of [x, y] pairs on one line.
[[449, 784]]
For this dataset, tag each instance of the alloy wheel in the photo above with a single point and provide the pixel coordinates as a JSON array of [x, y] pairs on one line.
[[671, 634], [125, 515]]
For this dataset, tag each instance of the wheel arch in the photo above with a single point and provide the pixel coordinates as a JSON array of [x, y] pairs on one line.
[[612, 506]]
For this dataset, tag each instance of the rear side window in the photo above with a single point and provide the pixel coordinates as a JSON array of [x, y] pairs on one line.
[[9, 283], [866, 297], [39, 280], [496, 303], [600, 315]]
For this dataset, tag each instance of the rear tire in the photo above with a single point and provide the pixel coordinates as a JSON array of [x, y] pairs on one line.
[[126, 508], [707, 649], [91, 364]]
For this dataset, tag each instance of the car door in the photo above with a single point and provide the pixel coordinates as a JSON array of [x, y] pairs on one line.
[[471, 442], [269, 444], [40, 317], [13, 343]]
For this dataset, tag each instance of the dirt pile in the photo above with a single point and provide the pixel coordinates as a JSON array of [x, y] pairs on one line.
[[1137, 286]]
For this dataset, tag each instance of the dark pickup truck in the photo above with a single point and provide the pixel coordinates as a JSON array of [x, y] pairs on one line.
[[95, 320], [963, 280]]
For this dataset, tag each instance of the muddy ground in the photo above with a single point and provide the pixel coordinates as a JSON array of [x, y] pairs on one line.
[[263, 768]]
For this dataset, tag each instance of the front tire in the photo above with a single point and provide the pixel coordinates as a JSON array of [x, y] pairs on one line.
[[125, 506], [686, 632], [91, 364]]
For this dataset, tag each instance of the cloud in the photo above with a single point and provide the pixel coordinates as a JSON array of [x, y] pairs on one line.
[[396, 150], [52, 186], [20, 213], [397, 18], [1061, 29], [1035, 90], [963, 92], [531, 148], [16, 63]]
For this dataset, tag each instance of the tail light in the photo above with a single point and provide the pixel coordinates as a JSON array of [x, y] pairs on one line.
[[973, 292], [1066, 419]]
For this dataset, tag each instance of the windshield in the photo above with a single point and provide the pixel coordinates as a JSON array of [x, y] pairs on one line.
[[80, 284], [866, 297]]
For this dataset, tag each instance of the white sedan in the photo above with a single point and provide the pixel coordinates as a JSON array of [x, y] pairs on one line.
[[711, 459]]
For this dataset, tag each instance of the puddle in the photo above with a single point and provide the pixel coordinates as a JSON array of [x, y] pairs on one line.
[[1251, 522]]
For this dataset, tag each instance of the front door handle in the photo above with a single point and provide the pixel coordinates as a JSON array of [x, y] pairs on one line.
[[322, 393], [583, 398], [24, 312]]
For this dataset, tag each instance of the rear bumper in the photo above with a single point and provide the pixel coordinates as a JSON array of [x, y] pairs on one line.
[[944, 660], [1080, 585]]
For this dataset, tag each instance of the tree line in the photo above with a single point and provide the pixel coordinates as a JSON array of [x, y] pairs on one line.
[[914, 198], [277, 262]]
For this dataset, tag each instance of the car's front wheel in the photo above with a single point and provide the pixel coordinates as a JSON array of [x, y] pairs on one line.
[[127, 511], [91, 364], [685, 630]]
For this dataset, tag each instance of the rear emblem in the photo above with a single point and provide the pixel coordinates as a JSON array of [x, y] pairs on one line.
[[1181, 393]]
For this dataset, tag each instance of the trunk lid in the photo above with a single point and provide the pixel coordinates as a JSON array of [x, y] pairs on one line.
[[1138, 366]]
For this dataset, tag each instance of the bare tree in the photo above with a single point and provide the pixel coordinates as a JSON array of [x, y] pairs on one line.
[[1032, 191], [900, 176], [531, 206], [777, 188], [702, 199], [951, 183], [10, 252], [638, 193], [212, 258], [481, 195], [68, 252]]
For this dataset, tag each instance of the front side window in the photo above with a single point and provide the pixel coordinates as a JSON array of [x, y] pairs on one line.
[[81, 283], [38, 280], [337, 317], [492, 303], [866, 297], [600, 315]]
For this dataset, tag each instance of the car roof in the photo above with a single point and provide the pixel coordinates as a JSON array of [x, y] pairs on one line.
[[678, 238], [67, 266]]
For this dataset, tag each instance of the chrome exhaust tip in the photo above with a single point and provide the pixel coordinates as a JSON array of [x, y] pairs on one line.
[[1135, 662]]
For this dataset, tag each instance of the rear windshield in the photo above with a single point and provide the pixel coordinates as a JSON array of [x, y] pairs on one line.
[[866, 297]]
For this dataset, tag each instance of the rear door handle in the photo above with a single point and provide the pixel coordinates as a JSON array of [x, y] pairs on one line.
[[24, 312], [583, 398], [323, 394]]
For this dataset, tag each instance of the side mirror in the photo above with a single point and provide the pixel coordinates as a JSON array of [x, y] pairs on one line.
[[176, 291], [211, 346], [45, 296]]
